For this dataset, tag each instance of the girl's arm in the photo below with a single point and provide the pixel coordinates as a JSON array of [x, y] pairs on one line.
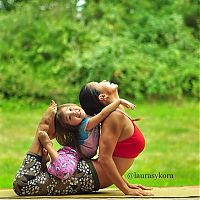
[[97, 119], [48, 145]]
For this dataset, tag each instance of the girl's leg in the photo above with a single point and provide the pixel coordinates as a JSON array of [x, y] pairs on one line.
[[63, 164]]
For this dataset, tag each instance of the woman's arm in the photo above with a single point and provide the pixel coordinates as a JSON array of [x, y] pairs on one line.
[[111, 131], [136, 186], [97, 119]]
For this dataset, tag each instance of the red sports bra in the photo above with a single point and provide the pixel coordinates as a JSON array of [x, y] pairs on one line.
[[132, 146]]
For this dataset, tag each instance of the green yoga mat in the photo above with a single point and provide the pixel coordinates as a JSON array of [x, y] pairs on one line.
[[159, 192]]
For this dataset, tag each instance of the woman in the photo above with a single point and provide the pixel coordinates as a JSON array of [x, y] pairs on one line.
[[33, 179], [120, 142]]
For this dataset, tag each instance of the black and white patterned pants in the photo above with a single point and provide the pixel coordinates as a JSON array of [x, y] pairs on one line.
[[32, 180]]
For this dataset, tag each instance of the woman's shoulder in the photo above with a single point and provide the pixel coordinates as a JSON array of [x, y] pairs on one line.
[[115, 116], [114, 123]]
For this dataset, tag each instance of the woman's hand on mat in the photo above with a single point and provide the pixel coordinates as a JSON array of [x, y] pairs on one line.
[[127, 104], [137, 186], [138, 192]]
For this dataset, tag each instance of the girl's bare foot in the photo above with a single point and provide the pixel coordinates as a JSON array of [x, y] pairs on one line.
[[45, 155], [45, 159], [44, 139]]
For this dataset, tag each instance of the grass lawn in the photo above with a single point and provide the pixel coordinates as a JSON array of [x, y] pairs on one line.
[[171, 130]]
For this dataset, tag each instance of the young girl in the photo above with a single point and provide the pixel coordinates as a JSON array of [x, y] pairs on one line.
[[77, 130]]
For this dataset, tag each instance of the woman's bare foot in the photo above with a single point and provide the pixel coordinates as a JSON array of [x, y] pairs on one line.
[[47, 121], [44, 139], [52, 132]]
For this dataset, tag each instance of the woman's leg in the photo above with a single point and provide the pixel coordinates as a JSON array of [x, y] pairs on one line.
[[44, 125], [30, 178], [36, 147], [84, 180]]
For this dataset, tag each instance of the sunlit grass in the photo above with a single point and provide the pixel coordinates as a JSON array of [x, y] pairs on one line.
[[172, 141]]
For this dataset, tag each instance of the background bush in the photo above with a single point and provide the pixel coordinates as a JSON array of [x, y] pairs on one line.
[[49, 49]]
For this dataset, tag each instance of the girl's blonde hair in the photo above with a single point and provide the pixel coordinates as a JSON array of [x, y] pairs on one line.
[[66, 135]]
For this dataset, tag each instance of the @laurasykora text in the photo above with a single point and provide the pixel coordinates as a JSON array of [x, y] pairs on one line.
[[155, 176]]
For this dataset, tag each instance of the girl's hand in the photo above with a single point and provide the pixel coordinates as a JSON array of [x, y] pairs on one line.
[[53, 106], [127, 104]]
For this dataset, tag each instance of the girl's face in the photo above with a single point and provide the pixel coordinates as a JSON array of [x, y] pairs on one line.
[[104, 87], [73, 115]]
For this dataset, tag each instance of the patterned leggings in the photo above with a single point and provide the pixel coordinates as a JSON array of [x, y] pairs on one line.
[[31, 180]]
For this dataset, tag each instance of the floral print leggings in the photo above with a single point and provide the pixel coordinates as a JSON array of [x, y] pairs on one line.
[[32, 180], [65, 164]]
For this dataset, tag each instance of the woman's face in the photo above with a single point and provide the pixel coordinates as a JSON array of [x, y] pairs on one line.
[[104, 87], [73, 115]]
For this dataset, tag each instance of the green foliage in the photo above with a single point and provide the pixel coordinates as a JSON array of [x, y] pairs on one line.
[[49, 49], [172, 144]]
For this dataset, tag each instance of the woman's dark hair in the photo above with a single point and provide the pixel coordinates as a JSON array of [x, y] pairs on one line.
[[66, 135], [89, 100]]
